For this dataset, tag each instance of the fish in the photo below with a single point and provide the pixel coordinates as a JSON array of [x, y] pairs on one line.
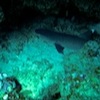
[[62, 40], [59, 48]]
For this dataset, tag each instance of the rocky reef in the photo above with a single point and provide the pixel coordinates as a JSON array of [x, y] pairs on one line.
[[13, 11], [49, 50]]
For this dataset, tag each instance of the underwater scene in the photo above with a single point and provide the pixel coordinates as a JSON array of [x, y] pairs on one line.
[[49, 50]]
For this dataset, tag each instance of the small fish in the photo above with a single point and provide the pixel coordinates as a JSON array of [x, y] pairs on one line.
[[59, 48]]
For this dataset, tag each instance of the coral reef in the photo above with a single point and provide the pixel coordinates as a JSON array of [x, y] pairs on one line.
[[10, 88]]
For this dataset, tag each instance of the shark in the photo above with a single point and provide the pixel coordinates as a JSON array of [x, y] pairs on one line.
[[62, 41]]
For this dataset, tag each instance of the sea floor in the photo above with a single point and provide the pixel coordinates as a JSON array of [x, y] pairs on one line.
[[46, 74]]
